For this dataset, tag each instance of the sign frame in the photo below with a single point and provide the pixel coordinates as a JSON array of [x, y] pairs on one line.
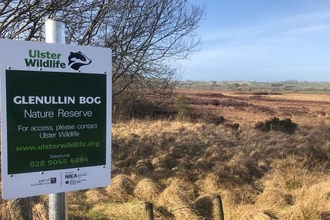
[[36, 60]]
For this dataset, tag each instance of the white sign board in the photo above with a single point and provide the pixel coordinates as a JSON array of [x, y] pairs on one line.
[[55, 118]]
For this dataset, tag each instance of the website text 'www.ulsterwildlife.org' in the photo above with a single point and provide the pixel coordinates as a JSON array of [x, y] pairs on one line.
[[75, 144]]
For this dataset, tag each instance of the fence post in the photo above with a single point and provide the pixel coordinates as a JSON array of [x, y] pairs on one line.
[[148, 207], [217, 208]]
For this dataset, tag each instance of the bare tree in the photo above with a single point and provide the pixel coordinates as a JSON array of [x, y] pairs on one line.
[[23, 19], [147, 37]]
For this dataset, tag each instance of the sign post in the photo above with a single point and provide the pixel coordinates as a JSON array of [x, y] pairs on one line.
[[56, 118], [55, 33]]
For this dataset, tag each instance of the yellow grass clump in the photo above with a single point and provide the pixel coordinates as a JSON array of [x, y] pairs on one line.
[[96, 196], [178, 201], [40, 212], [147, 190], [121, 188], [275, 196]]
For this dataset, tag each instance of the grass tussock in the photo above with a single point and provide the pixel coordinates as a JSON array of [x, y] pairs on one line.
[[121, 189], [147, 190], [40, 212], [177, 200]]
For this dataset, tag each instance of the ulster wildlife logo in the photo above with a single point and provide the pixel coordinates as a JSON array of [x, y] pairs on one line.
[[78, 59]]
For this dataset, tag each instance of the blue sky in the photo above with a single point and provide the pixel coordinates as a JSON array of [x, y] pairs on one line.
[[262, 40]]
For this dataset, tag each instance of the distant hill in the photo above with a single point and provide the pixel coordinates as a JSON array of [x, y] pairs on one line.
[[284, 86]]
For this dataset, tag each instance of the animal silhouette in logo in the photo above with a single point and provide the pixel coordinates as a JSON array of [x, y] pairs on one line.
[[78, 59]]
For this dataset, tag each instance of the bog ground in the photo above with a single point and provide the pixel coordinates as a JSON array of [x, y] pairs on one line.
[[179, 163]]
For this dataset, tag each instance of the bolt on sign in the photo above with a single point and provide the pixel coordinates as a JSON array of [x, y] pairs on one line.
[[55, 118]]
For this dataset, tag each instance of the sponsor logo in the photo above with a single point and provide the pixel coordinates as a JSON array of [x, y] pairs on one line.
[[46, 181], [53, 180], [72, 178]]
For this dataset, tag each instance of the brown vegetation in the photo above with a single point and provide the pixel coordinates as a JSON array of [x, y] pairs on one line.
[[179, 165]]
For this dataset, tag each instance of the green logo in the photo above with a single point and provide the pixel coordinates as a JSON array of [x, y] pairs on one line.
[[46, 59]]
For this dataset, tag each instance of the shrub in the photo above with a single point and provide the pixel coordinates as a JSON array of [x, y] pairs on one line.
[[275, 124], [233, 126], [181, 102]]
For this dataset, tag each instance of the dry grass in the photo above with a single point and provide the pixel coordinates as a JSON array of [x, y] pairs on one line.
[[176, 199], [121, 189], [40, 212], [147, 190], [259, 175], [180, 165]]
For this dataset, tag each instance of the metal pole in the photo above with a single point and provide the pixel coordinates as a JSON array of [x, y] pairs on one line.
[[55, 33], [58, 206]]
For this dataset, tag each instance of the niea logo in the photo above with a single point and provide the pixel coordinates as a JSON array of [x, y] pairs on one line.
[[78, 59], [71, 176]]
